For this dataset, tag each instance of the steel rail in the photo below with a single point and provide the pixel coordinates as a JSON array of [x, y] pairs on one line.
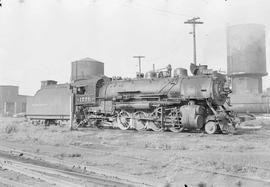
[[187, 167], [38, 174], [182, 166], [114, 176], [145, 159], [41, 172], [116, 154], [9, 182]]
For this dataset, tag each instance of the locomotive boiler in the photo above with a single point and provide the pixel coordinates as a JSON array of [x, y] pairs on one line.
[[158, 101]]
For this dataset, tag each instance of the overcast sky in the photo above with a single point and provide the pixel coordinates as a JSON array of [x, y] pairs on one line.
[[40, 38]]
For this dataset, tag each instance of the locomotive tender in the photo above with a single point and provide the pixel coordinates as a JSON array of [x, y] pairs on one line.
[[157, 101], [50, 104]]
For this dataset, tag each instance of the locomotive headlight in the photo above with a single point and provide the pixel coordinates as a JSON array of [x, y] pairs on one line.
[[223, 88], [227, 88]]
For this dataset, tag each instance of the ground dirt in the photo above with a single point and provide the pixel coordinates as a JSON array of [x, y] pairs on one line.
[[164, 158]]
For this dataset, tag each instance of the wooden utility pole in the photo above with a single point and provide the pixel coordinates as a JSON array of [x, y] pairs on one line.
[[194, 21], [139, 57]]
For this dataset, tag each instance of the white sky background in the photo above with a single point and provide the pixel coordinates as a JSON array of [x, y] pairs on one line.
[[40, 38]]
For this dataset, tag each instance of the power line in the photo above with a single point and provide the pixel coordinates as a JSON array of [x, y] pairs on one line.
[[139, 58], [138, 5], [169, 54], [166, 11], [194, 22]]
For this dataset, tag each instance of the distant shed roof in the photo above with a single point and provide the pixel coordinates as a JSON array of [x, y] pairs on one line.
[[9, 86], [89, 59]]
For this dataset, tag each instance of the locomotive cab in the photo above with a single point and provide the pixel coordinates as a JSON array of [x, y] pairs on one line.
[[85, 94]]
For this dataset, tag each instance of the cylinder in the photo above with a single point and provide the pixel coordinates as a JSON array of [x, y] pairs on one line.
[[246, 49], [86, 68], [189, 118], [199, 110]]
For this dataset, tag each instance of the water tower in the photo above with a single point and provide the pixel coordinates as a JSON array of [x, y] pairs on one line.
[[246, 57], [246, 65], [86, 68]]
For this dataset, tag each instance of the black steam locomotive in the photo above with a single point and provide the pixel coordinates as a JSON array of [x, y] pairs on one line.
[[158, 100]]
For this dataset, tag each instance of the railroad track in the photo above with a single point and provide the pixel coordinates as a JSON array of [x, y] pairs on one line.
[[54, 176], [90, 151], [187, 167], [255, 179], [93, 174]]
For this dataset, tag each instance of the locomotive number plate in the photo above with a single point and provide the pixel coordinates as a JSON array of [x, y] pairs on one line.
[[82, 99]]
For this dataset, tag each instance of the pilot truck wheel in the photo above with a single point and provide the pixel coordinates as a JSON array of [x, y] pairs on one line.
[[210, 127]]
